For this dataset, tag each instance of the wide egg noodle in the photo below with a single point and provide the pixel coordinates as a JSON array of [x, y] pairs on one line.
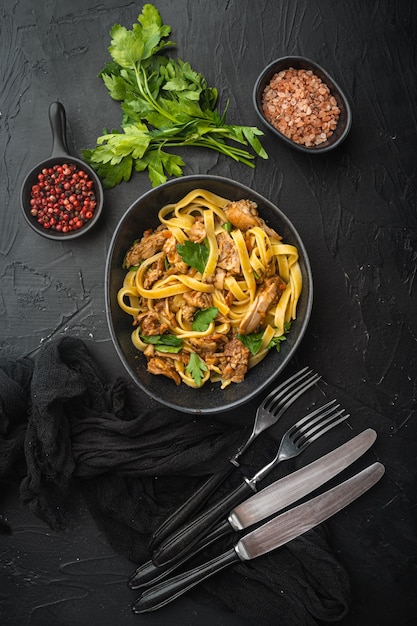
[[212, 244], [245, 263]]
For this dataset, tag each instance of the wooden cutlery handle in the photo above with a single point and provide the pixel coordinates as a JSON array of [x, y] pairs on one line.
[[189, 534], [190, 507]]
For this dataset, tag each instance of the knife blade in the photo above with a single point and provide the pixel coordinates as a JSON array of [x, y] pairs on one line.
[[270, 536], [294, 486], [268, 501]]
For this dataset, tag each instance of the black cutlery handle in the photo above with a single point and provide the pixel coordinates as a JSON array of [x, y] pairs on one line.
[[168, 590], [189, 508], [189, 534], [149, 573]]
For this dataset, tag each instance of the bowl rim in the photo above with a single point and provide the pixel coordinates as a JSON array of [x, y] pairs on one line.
[[265, 76], [199, 180]]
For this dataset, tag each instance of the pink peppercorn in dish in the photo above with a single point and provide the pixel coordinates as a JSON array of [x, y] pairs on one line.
[[300, 105], [299, 102], [63, 198]]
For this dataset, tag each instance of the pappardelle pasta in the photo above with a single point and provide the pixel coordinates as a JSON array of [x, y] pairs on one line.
[[211, 290]]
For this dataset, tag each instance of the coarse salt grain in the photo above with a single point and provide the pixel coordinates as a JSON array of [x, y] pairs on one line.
[[300, 106]]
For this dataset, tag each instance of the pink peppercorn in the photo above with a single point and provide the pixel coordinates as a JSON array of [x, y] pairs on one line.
[[66, 195]]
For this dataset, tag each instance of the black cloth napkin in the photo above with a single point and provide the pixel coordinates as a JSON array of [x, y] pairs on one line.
[[64, 427]]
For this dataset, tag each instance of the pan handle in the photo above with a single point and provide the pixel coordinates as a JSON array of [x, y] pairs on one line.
[[57, 120]]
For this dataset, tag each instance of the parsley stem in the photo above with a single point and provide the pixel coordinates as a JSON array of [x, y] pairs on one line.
[[237, 154], [143, 86]]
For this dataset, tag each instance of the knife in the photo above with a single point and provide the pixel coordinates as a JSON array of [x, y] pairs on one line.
[[268, 501], [271, 535]]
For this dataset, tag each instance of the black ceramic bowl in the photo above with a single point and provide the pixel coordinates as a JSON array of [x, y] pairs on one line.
[[298, 63], [59, 156], [143, 214]]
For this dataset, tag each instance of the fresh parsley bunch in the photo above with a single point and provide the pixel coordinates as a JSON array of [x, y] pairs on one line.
[[165, 104]]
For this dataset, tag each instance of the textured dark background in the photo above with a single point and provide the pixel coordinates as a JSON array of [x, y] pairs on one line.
[[354, 208]]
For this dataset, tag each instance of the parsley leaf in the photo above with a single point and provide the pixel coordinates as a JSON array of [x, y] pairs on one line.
[[165, 104], [194, 254], [276, 341], [252, 341], [196, 368], [164, 343], [203, 318], [111, 173]]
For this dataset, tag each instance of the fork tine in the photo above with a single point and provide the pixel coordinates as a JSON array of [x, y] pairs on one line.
[[314, 417], [272, 402], [286, 386], [312, 437], [317, 423]]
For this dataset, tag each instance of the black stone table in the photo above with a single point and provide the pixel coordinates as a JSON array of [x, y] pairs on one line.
[[354, 208]]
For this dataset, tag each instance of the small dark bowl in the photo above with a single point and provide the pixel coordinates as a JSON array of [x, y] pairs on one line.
[[143, 214], [59, 156], [298, 63]]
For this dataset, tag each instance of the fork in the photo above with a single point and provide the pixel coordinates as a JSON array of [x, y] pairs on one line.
[[268, 413], [276, 403], [294, 442]]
